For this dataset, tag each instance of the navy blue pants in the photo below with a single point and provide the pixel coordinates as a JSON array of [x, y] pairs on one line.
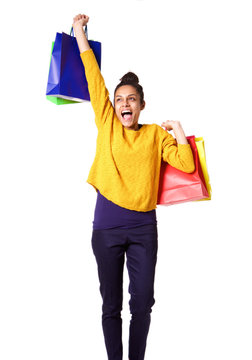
[[140, 246]]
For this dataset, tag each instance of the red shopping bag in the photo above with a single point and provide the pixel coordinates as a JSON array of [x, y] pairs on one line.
[[176, 186]]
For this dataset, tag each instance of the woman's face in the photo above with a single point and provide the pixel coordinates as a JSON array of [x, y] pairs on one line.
[[127, 106]]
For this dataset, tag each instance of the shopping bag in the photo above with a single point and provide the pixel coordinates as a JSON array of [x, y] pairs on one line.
[[55, 99], [202, 158], [176, 186], [66, 79]]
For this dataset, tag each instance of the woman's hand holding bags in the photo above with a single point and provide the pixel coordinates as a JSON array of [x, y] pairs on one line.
[[176, 186]]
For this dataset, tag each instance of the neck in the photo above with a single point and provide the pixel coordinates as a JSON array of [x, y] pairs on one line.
[[135, 128]]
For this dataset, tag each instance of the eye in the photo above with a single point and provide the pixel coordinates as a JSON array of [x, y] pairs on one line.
[[132, 98]]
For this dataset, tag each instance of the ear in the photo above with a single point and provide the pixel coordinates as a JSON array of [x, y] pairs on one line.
[[143, 105]]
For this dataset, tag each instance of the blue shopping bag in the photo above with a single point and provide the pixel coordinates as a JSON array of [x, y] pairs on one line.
[[66, 79]]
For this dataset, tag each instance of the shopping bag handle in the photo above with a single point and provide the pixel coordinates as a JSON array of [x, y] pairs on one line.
[[85, 30]]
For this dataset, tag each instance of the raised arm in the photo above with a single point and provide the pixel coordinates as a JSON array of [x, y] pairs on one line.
[[79, 22], [99, 95]]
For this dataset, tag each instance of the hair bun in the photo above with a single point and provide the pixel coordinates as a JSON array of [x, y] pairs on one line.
[[130, 77]]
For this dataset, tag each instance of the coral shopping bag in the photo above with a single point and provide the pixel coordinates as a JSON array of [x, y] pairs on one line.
[[66, 79], [176, 186]]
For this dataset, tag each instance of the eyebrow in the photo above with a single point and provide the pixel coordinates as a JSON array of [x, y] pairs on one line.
[[127, 95]]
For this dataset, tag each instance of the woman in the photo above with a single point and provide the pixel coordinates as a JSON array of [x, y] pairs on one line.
[[125, 174]]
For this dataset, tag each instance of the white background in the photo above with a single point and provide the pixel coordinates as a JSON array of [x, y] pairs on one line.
[[193, 59]]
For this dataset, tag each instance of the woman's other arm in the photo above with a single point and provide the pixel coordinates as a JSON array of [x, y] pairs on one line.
[[177, 129], [177, 153]]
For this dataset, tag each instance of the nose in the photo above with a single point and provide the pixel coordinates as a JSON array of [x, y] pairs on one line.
[[125, 102]]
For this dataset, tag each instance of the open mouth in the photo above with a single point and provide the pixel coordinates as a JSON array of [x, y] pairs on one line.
[[126, 114]]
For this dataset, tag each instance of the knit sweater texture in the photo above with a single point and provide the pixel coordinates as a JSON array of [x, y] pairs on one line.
[[126, 168]]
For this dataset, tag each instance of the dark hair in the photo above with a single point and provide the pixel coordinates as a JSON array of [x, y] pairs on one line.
[[131, 79]]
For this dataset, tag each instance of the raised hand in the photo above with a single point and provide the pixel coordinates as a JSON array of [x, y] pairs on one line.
[[80, 19]]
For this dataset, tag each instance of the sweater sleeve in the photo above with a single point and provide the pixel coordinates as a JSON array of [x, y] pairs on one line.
[[177, 155], [99, 95]]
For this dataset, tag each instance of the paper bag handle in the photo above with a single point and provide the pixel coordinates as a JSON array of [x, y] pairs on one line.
[[85, 30]]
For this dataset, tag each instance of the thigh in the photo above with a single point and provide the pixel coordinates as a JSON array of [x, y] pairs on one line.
[[108, 247], [141, 263], [109, 250]]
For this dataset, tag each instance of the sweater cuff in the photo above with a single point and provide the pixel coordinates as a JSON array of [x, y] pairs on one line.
[[86, 53], [185, 147]]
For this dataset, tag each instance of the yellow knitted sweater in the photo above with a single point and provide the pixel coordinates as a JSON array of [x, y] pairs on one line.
[[127, 163]]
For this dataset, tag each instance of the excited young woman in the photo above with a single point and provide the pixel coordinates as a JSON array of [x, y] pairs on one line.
[[125, 174]]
